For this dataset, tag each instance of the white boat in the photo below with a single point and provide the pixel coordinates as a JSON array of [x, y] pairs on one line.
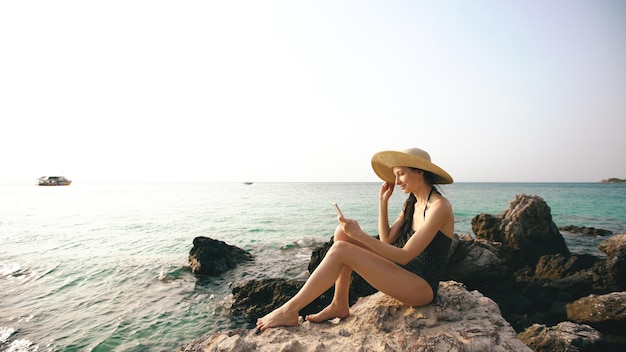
[[54, 181]]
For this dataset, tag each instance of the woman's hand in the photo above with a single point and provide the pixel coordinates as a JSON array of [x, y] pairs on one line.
[[350, 227], [386, 190]]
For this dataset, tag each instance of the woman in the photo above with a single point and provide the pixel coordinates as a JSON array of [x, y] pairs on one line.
[[408, 260]]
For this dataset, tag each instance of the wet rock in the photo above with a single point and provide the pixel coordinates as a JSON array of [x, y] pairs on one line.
[[255, 298], [213, 257], [591, 231]]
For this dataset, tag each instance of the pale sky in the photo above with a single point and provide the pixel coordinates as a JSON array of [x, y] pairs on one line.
[[495, 91]]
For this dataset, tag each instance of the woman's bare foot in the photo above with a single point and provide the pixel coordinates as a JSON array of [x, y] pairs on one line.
[[331, 312], [279, 317]]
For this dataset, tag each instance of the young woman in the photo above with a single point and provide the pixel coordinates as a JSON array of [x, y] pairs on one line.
[[408, 260]]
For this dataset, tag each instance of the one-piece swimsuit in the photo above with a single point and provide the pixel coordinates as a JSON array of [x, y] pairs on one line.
[[431, 263]]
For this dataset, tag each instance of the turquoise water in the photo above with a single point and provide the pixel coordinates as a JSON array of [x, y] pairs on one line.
[[98, 267]]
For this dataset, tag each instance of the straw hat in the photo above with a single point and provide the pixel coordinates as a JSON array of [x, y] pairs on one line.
[[383, 163]]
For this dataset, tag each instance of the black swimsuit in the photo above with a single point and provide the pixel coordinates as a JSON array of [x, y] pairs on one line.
[[431, 263]]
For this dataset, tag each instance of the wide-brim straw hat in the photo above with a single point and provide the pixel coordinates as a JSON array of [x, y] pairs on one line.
[[384, 162]]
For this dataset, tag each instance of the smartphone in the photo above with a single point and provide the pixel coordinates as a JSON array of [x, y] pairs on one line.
[[337, 209]]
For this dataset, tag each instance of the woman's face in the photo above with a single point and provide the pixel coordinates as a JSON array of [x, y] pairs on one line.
[[406, 178]]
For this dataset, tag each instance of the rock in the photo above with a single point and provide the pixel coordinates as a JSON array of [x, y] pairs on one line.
[[585, 230], [614, 246], [460, 321], [555, 267], [565, 336], [614, 272], [212, 257], [520, 261], [605, 312], [526, 226], [255, 298], [476, 262]]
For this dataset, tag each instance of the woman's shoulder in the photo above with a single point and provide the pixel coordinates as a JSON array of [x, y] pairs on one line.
[[441, 201]]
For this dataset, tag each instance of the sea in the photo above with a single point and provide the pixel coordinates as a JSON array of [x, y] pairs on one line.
[[104, 267]]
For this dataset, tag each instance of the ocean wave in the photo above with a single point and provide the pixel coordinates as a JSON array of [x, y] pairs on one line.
[[5, 333]]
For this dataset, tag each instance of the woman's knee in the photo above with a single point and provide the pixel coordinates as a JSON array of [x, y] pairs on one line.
[[339, 248]]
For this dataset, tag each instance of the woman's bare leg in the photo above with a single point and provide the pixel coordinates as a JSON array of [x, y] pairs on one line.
[[287, 314], [340, 305], [321, 280], [381, 273]]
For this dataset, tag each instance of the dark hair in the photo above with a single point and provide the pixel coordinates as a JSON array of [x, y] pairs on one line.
[[405, 230], [430, 178], [409, 209]]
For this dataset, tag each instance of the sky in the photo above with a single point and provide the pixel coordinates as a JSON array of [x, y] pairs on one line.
[[308, 91]]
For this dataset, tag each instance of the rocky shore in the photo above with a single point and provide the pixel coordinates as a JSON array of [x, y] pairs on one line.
[[513, 286], [460, 321]]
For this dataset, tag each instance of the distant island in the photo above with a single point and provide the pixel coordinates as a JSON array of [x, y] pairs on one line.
[[613, 180]]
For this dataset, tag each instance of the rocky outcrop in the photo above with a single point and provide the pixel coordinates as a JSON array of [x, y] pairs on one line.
[[460, 321], [524, 224], [212, 257], [516, 260]]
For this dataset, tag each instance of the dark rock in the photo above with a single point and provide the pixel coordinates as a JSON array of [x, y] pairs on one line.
[[603, 312], [476, 262], [519, 259], [212, 257], [566, 337], [488, 227], [253, 299], [585, 230], [614, 268], [358, 286], [526, 226], [555, 267]]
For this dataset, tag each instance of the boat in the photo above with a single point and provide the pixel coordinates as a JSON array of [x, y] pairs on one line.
[[247, 183], [54, 181]]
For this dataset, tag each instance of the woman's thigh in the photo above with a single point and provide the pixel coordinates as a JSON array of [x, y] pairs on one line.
[[384, 275]]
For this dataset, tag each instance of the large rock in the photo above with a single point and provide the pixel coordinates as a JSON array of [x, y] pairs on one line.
[[213, 257], [477, 262], [565, 336], [526, 226], [460, 321], [521, 262], [607, 312]]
